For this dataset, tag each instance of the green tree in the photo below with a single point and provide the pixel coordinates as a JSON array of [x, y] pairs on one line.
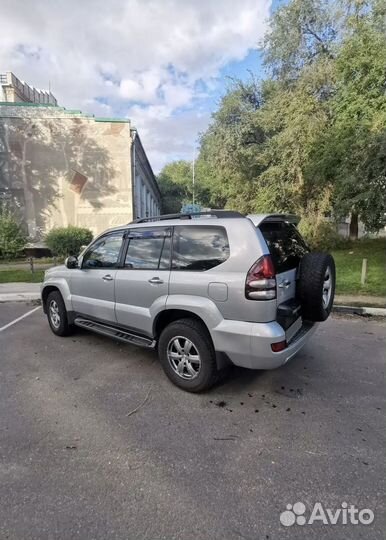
[[255, 154], [301, 33], [311, 139], [353, 149], [12, 237], [229, 162], [176, 185], [329, 60], [294, 118], [299, 51]]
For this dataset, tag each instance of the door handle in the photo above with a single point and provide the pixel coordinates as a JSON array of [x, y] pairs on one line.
[[284, 284], [107, 277], [156, 280]]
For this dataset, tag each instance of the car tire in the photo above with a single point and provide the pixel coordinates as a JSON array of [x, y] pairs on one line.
[[194, 368], [316, 286], [57, 315]]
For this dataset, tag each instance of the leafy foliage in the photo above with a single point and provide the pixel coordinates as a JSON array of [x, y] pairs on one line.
[[353, 148], [12, 237], [320, 234], [64, 241], [311, 139], [174, 182], [302, 33], [176, 185]]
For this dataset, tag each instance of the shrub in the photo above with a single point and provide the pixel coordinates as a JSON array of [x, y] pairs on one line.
[[64, 241], [320, 234], [12, 237]]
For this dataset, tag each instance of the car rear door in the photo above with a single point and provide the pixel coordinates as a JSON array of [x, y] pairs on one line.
[[197, 252], [142, 283], [287, 248]]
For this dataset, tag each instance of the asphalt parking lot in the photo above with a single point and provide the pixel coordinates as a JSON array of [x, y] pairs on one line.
[[222, 465]]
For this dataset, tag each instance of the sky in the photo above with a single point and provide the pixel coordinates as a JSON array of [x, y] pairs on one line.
[[164, 64]]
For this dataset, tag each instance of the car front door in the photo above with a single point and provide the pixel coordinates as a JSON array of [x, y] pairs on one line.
[[92, 285], [142, 283]]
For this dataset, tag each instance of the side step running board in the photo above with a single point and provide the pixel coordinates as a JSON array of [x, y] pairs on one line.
[[116, 333]]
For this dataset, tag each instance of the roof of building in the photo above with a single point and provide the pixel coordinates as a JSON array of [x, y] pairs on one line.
[[69, 112], [25, 92]]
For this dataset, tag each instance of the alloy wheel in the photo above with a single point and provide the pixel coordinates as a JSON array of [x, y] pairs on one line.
[[54, 314], [184, 357], [327, 287]]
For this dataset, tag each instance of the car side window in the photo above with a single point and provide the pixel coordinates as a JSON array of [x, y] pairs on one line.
[[148, 249], [104, 253], [200, 247]]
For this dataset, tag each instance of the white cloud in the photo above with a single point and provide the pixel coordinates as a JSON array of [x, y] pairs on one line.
[[167, 136], [176, 96], [147, 59], [143, 88]]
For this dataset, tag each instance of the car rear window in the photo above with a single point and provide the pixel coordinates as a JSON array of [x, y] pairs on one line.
[[285, 244], [199, 248]]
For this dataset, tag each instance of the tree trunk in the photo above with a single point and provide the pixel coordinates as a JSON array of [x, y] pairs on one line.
[[354, 226]]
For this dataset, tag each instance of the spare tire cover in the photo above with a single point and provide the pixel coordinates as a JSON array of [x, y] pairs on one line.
[[316, 286]]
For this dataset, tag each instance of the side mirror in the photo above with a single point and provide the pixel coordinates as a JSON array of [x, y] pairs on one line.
[[71, 262]]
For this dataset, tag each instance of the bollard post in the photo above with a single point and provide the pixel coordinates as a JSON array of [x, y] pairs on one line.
[[364, 272], [31, 264]]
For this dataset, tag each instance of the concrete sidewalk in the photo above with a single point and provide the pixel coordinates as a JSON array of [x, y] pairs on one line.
[[15, 292]]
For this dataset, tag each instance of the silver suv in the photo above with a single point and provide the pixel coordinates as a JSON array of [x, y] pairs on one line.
[[206, 290]]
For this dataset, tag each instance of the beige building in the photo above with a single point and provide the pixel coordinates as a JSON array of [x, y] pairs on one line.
[[60, 167]]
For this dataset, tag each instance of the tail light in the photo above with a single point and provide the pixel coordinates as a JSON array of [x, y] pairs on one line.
[[279, 346], [261, 281]]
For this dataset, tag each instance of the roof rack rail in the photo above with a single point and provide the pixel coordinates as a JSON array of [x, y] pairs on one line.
[[213, 213]]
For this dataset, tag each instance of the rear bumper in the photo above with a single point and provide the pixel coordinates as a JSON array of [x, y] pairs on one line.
[[249, 344]]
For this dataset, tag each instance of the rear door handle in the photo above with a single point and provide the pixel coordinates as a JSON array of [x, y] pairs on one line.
[[156, 280], [107, 277]]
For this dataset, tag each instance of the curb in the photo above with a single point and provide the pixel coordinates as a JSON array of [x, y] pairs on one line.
[[362, 311]]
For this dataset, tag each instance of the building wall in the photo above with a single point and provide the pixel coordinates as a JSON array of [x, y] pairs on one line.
[[147, 200], [60, 167]]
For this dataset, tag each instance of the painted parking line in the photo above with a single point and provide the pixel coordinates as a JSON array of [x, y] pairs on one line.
[[19, 318]]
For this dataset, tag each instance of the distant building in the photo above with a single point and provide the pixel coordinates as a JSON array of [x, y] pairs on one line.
[[15, 91], [60, 167]]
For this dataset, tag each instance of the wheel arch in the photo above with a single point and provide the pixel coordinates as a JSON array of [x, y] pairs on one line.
[[45, 292], [168, 316], [61, 286]]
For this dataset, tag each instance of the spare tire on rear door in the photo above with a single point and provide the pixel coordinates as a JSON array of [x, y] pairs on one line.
[[316, 286]]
